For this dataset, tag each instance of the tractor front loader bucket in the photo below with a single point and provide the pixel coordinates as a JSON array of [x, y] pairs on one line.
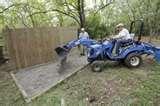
[[61, 51]]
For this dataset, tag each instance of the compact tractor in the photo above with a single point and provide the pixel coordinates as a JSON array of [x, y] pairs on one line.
[[130, 53]]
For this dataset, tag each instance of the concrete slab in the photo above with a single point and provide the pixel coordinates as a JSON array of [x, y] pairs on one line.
[[34, 81]]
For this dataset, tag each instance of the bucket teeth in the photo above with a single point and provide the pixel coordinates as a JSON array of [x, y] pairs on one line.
[[61, 51]]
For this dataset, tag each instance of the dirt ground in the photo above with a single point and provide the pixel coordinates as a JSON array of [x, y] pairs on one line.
[[34, 81]]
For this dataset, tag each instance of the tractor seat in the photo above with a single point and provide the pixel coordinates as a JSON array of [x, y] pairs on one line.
[[127, 43]]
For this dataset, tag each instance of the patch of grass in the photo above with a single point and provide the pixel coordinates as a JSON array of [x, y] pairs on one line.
[[9, 93], [148, 91]]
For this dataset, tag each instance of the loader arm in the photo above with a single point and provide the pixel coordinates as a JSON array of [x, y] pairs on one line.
[[64, 49]]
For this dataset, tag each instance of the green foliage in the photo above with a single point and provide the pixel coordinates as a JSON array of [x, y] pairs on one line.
[[126, 11], [95, 27], [35, 13], [148, 91]]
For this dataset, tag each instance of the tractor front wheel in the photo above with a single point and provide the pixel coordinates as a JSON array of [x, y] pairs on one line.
[[133, 60], [97, 66]]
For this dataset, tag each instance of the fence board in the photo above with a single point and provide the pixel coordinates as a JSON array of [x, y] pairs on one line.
[[32, 46]]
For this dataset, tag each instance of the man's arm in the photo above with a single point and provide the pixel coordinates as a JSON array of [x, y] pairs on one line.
[[121, 35]]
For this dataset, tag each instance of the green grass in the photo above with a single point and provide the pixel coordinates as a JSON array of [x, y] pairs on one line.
[[116, 85], [148, 91]]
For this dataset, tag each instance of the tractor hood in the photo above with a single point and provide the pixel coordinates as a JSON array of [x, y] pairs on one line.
[[95, 50], [95, 46], [100, 46]]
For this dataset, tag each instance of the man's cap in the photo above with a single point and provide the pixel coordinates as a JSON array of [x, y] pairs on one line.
[[82, 29], [120, 25]]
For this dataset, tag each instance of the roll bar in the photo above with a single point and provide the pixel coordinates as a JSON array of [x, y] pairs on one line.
[[141, 28]]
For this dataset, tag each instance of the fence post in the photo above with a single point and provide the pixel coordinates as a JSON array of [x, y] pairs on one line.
[[7, 46]]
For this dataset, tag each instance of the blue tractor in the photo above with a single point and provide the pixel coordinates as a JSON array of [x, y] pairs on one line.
[[130, 53]]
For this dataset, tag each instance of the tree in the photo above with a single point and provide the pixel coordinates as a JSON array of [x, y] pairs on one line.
[[35, 13], [70, 8]]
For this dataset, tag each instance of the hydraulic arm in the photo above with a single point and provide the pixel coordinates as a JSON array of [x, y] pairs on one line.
[[67, 47]]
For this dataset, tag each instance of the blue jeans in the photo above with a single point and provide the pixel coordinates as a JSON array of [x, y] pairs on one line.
[[119, 43]]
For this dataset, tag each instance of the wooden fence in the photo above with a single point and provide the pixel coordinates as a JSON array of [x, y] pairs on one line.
[[32, 46]]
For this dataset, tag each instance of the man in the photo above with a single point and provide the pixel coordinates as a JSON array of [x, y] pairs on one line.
[[122, 37], [83, 35]]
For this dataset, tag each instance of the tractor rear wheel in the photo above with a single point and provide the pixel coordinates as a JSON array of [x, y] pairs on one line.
[[97, 66], [133, 60]]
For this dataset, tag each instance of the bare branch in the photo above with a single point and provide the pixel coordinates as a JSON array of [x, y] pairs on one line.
[[71, 11], [69, 4], [13, 5], [104, 6], [21, 16], [56, 10]]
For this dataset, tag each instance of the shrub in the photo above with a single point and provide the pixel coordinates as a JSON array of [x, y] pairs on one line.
[[95, 28]]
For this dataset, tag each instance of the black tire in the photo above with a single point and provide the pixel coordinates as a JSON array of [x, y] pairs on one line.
[[97, 66], [133, 60]]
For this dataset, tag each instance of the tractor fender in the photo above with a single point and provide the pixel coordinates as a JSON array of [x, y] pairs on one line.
[[137, 49]]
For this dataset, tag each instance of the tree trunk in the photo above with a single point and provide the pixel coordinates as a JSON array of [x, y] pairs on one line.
[[81, 13]]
